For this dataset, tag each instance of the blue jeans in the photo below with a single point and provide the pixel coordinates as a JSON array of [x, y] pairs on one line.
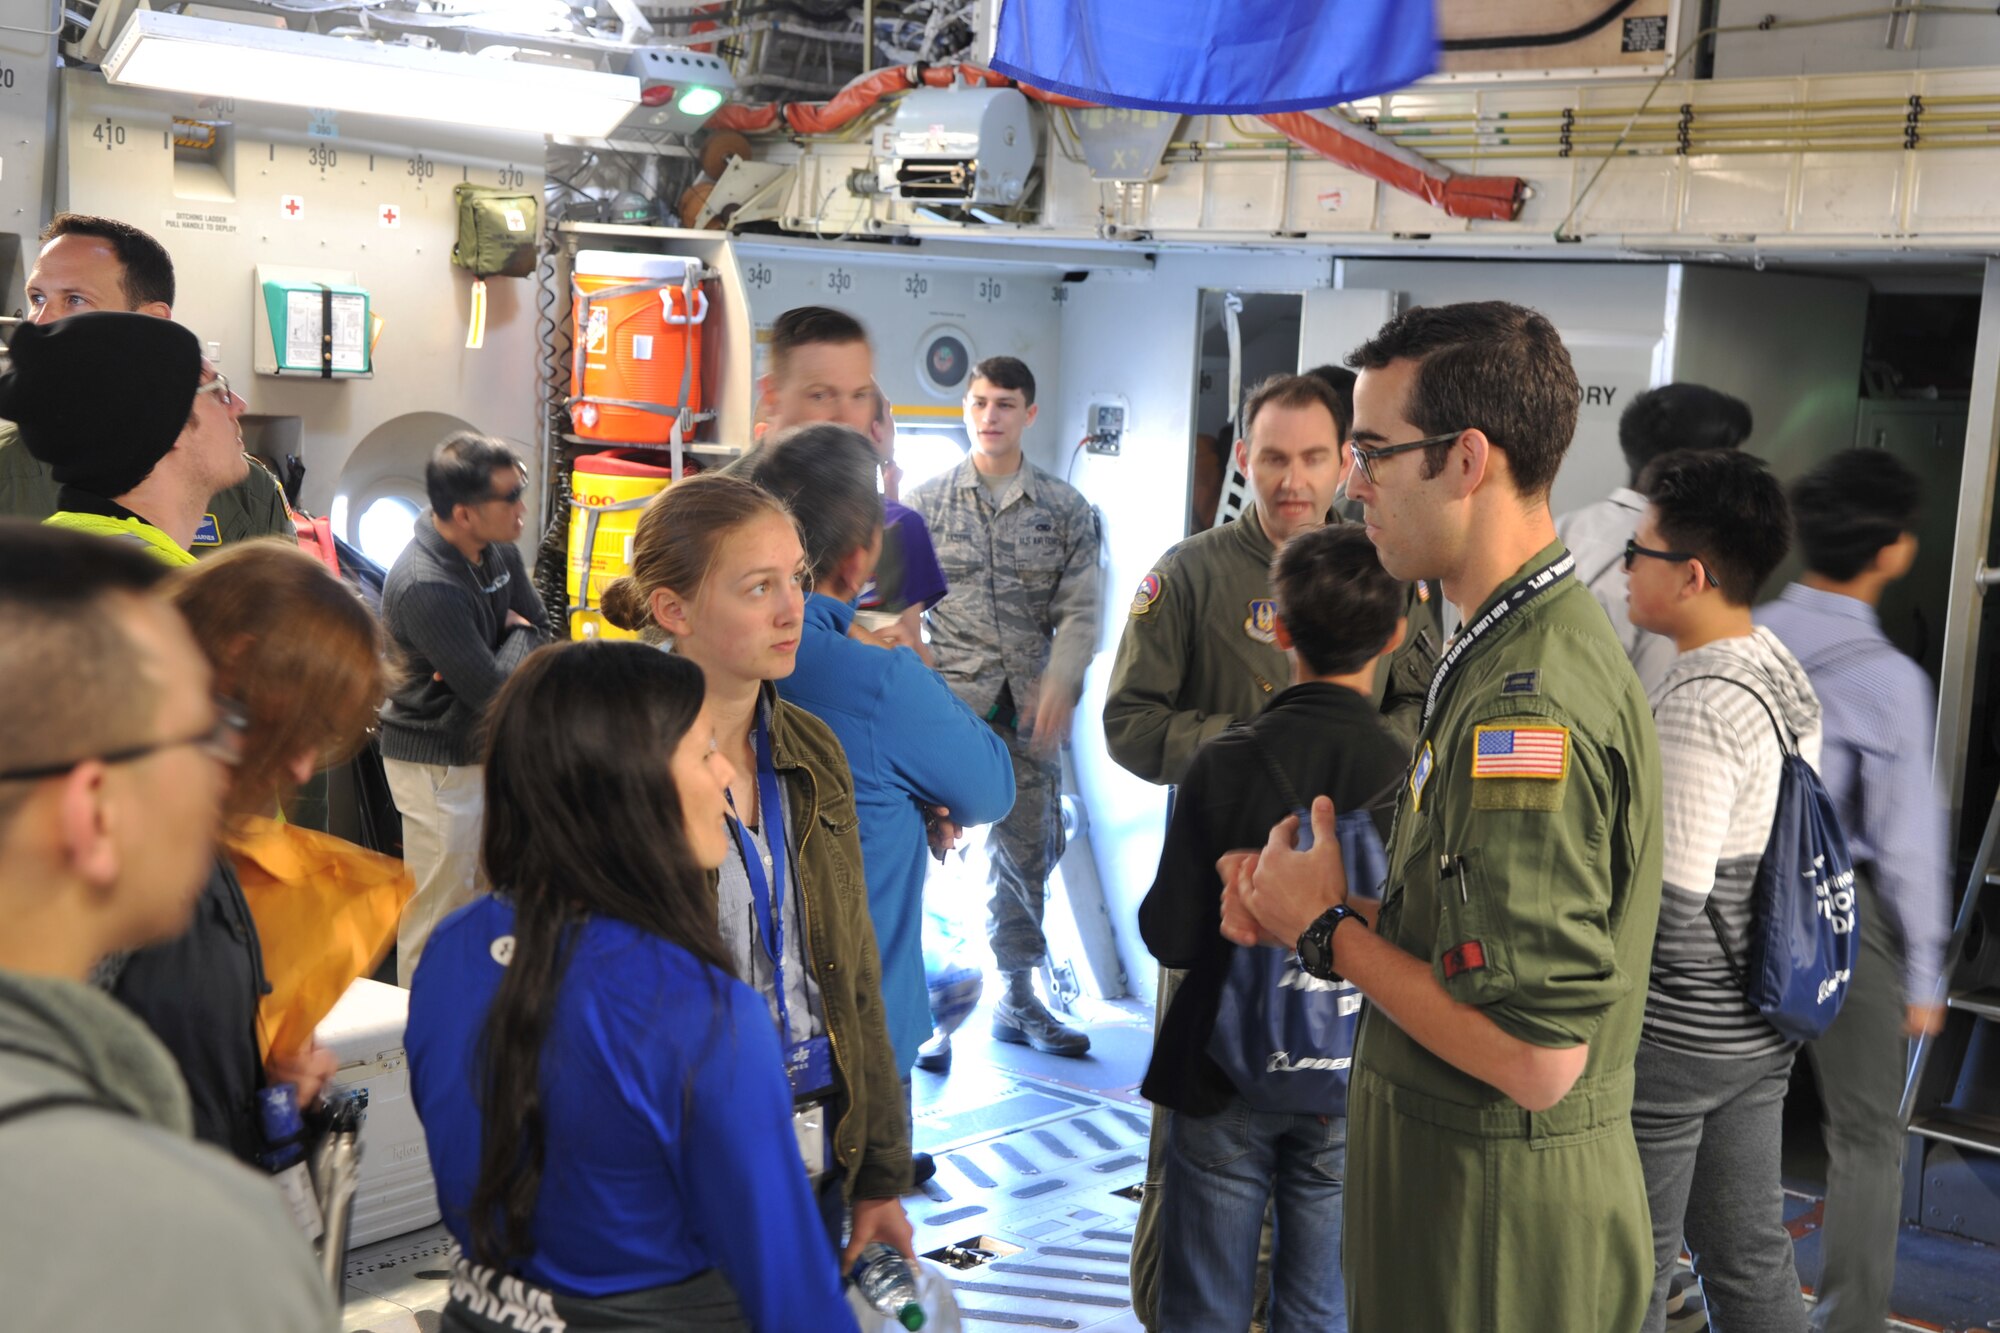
[[1221, 1170]]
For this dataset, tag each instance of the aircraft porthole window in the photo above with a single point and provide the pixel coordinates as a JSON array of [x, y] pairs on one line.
[[385, 527]]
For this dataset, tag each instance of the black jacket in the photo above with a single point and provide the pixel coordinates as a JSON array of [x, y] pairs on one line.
[[449, 619], [1328, 741], [199, 993]]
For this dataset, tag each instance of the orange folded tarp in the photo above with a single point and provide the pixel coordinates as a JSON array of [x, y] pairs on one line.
[[326, 913]]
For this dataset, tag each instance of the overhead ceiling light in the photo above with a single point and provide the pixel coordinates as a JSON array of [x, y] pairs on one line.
[[219, 59]]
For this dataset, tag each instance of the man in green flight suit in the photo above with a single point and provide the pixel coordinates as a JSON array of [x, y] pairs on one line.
[[1199, 654], [1493, 1181], [1198, 651], [93, 263]]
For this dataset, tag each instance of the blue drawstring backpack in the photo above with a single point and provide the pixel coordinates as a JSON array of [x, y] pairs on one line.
[[1286, 1039], [1804, 918]]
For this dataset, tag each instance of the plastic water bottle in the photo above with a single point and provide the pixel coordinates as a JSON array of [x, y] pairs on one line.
[[888, 1285]]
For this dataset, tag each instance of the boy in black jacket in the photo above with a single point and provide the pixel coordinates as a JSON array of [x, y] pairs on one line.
[[1339, 613]]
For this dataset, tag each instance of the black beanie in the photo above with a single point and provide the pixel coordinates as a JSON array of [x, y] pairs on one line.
[[101, 397]]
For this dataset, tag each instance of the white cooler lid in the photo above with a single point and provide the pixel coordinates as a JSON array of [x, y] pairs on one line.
[[625, 264]]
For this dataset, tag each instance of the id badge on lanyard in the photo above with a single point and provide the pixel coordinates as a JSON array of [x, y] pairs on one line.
[[808, 1063]]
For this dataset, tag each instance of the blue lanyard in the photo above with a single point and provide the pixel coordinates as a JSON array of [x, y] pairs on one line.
[[768, 896]]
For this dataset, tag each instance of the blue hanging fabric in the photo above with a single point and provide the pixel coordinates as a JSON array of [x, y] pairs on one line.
[[1200, 57]]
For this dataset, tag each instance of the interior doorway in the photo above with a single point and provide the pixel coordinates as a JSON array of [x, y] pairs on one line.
[[1265, 343]]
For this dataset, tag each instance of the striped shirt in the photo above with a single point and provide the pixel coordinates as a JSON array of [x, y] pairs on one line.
[[1879, 712], [1721, 760]]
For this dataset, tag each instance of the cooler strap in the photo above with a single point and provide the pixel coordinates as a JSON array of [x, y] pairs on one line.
[[580, 565]]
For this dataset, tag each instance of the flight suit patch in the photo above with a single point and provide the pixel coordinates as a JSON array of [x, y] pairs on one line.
[[208, 534], [1149, 592], [1519, 766], [1423, 591], [1513, 750], [1420, 775], [1522, 682], [1467, 957], [1262, 624]]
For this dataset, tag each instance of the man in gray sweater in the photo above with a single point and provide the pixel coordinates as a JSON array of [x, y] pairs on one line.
[[463, 612], [111, 787]]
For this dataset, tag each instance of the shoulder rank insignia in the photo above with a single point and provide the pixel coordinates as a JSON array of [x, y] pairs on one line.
[[1522, 682], [1510, 750], [1149, 592], [208, 534], [1263, 622]]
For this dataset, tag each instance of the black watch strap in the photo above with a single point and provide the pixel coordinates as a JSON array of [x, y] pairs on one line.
[[1315, 947]]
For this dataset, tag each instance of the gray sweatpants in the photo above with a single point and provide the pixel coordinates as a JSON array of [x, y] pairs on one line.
[[1710, 1134], [1860, 1062]]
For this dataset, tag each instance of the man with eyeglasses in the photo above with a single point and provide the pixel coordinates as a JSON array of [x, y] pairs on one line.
[[95, 263], [140, 463], [460, 607], [1200, 652], [1493, 1177], [110, 800]]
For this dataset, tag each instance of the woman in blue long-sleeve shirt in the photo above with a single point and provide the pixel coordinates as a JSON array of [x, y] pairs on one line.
[[606, 1106]]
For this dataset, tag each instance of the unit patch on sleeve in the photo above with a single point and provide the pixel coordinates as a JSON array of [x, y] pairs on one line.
[[208, 534], [1262, 624], [1149, 592]]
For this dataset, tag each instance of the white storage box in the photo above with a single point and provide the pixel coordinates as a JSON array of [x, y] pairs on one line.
[[365, 1031]]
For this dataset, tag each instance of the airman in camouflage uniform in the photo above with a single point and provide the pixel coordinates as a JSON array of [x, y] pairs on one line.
[[1019, 548]]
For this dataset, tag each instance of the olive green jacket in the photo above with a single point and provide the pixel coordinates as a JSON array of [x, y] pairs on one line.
[[1198, 655], [1524, 870], [871, 1140], [254, 507]]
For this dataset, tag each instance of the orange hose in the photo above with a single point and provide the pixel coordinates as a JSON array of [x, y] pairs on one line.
[[859, 96], [1493, 198]]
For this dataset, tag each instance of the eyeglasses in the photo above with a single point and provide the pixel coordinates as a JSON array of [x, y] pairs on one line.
[[222, 741], [219, 386], [1633, 551], [1365, 458]]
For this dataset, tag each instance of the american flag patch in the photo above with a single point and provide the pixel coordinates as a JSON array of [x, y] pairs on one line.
[[1520, 752]]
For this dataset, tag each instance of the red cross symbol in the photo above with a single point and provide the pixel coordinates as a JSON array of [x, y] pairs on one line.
[[389, 216], [292, 205]]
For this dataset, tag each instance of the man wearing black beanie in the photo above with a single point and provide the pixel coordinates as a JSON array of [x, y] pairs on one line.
[[98, 263], [138, 460]]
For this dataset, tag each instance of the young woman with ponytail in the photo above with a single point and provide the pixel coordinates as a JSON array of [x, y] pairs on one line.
[[719, 571], [605, 1103]]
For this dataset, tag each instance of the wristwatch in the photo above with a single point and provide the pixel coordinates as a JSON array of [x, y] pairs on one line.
[[1315, 947]]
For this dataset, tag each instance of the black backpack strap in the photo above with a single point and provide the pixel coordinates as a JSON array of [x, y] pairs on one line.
[[1786, 742], [1708, 906], [1278, 778]]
